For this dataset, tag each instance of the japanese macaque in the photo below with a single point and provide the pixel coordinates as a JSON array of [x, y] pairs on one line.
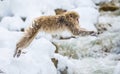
[[51, 24]]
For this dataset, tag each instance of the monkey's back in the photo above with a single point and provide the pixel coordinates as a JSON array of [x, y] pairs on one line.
[[50, 24]]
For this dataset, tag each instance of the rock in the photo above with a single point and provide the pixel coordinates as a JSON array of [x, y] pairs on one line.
[[102, 27], [108, 7]]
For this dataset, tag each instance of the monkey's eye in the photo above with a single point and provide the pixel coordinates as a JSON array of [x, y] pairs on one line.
[[77, 20], [65, 10], [71, 15]]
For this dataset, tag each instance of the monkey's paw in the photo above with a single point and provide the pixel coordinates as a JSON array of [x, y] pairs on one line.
[[93, 33], [17, 53]]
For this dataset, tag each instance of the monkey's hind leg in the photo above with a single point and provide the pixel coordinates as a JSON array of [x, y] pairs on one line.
[[17, 52]]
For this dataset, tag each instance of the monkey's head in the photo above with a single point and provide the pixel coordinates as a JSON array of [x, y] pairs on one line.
[[72, 14]]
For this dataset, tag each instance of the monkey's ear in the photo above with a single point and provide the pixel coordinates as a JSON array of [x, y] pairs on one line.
[[60, 11]]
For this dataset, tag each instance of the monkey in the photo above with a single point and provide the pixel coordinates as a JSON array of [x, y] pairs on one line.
[[60, 11], [51, 24]]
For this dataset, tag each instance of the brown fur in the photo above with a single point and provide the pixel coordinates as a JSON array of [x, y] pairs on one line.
[[51, 24]]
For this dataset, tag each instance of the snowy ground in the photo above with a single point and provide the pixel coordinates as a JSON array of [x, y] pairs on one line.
[[83, 55]]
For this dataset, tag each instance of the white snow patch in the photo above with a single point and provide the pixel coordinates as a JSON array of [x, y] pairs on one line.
[[12, 23], [117, 69]]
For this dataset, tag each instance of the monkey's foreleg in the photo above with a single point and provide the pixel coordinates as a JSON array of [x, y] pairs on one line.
[[64, 38], [81, 32], [86, 33]]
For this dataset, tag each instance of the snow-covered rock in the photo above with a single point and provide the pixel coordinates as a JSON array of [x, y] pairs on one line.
[[14, 23], [38, 60]]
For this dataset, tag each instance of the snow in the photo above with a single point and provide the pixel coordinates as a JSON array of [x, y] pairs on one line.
[[117, 69], [100, 1], [4, 8], [42, 54], [86, 65], [86, 3], [83, 55], [11, 23], [105, 20], [25, 64]]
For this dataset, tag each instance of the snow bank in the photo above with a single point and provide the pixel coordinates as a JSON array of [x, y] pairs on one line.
[[38, 60], [85, 65], [117, 69], [14, 23], [112, 20], [5, 8]]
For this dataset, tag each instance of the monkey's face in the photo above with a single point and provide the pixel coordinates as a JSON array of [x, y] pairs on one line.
[[75, 21], [73, 17]]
